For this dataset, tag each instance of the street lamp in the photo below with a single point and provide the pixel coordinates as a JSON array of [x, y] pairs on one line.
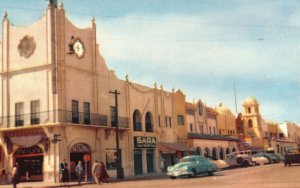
[[120, 171]]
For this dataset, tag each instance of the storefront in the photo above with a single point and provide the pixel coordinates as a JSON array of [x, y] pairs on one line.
[[30, 161], [80, 152], [170, 153], [144, 146]]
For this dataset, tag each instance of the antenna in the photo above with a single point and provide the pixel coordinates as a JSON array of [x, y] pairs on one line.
[[234, 90]]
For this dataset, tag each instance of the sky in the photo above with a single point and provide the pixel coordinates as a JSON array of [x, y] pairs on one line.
[[205, 48]]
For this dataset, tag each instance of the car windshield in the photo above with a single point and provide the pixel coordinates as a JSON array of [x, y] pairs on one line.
[[187, 159]]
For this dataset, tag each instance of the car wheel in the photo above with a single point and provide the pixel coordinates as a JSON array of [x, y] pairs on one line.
[[239, 160], [210, 173], [245, 164], [193, 173], [273, 161], [173, 177]]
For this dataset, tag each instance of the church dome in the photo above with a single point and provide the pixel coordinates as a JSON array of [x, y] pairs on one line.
[[222, 109], [250, 100]]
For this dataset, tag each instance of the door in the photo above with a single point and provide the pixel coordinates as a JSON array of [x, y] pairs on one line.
[[150, 160], [138, 162]]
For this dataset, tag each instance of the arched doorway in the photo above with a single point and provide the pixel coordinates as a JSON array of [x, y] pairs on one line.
[[207, 152], [198, 151], [77, 153], [30, 161], [227, 151], [222, 153], [215, 153], [233, 149]]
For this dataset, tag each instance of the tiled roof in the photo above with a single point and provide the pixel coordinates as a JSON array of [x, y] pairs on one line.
[[190, 106]]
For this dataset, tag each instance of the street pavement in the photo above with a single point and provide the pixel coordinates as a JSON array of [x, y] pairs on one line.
[[266, 176]]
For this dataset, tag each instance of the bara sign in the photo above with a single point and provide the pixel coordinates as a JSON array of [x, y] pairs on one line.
[[144, 142]]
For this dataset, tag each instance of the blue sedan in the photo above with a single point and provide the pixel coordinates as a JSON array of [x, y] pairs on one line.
[[191, 166]]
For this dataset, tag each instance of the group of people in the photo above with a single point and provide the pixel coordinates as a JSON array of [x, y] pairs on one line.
[[98, 170], [99, 173]]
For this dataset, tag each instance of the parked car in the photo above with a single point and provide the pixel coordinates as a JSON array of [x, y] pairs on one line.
[[191, 166], [271, 158], [258, 160], [292, 156], [239, 158], [278, 156]]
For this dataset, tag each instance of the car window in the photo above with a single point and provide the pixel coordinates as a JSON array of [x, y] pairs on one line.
[[187, 159]]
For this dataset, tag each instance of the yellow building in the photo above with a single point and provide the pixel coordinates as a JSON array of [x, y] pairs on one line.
[[226, 121], [252, 123]]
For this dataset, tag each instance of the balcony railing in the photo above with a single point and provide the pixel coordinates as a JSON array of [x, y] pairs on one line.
[[57, 116], [122, 122]]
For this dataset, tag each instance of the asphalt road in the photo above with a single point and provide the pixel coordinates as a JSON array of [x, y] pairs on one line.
[[267, 176]]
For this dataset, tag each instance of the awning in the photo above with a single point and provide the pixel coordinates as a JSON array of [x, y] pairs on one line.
[[172, 147]]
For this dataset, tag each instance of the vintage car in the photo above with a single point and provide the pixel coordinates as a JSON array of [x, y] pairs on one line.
[[259, 160], [292, 156], [191, 166], [271, 158], [278, 156], [239, 158]]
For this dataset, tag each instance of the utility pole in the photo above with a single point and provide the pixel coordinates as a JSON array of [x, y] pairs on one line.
[[120, 171]]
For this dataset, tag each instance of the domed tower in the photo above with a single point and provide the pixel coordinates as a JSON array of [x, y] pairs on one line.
[[252, 122]]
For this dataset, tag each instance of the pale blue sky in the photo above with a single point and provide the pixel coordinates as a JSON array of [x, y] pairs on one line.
[[199, 46]]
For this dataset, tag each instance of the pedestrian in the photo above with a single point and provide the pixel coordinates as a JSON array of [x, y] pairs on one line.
[[79, 172], [65, 178], [162, 165], [15, 175], [103, 174], [96, 172], [62, 167]]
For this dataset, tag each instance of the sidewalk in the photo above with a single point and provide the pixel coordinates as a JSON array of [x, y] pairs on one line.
[[151, 176]]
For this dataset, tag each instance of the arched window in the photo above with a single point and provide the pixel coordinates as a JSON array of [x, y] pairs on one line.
[[250, 123], [215, 154], [148, 122], [207, 152], [222, 153], [198, 151], [137, 125], [249, 110]]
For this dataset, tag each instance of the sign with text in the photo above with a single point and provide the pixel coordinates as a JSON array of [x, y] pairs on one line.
[[144, 142]]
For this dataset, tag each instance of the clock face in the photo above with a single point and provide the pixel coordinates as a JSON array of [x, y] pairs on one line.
[[78, 48]]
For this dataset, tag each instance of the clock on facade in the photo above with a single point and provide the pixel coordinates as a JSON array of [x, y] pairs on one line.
[[76, 46]]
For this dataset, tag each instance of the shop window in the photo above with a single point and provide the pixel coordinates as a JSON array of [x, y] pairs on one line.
[[34, 112], [111, 159], [19, 114]]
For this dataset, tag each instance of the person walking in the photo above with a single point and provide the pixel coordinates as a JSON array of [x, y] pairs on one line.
[[103, 174], [96, 171], [15, 175], [66, 175], [79, 172]]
